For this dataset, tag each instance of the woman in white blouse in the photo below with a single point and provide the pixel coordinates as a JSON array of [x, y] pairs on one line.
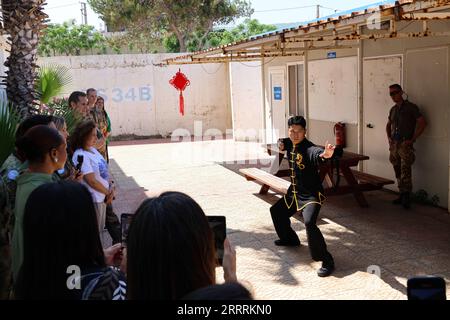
[[93, 167]]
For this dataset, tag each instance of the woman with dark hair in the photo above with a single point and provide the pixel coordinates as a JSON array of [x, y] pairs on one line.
[[94, 167], [45, 150], [69, 171], [225, 291], [15, 161], [170, 249], [61, 238]]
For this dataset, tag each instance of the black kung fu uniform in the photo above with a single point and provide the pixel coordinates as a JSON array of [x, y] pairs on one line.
[[304, 194]]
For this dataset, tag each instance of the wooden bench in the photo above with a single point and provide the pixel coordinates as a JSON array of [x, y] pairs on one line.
[[265, 178], [363, 177], [357, 182]]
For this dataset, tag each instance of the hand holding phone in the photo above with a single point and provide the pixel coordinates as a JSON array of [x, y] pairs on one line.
[[80, 160], [218, 226], [229, 262], [426, 288], [113, 255], [125, 220]]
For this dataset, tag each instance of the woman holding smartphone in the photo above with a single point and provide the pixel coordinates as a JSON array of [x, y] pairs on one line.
[[94, 168], [170, 250]]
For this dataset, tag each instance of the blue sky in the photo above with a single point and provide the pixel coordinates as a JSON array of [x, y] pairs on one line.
[[266, 11]]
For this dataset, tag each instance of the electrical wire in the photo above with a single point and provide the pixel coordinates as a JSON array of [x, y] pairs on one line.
[[258, 66], [220, 66], [63, 6], [284, 9]]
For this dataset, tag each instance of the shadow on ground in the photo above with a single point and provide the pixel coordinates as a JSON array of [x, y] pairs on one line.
[[399, 243]]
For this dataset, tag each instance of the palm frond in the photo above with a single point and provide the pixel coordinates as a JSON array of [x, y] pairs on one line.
[[52, 79], [9, 120]]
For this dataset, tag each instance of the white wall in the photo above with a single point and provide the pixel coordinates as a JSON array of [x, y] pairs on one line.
[[139, 98], [424, 74], [3, 56], [246, 100], [421, 80]]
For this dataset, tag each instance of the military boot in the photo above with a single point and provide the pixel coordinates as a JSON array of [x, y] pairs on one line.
[[406, 200], [399, 200]]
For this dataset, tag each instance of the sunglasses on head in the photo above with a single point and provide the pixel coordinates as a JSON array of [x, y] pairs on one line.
[[393, 93]]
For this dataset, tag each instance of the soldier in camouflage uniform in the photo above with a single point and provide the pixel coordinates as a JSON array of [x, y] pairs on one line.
[[405, 125]]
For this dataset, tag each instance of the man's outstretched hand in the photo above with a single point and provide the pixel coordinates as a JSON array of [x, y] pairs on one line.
[[328, 150]]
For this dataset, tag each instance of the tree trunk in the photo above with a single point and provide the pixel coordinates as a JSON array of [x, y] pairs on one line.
[[180, 36], [182, 42], [25, 22]]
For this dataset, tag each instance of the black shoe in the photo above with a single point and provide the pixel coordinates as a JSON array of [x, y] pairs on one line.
[[399, 200], [406, 201], [325, 270], [287, 243]]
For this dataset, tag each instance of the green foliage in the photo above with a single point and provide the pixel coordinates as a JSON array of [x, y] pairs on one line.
[[171, 43], [51, 81], [190, 21], [250, 27], [70, 39], [9, 120], [421, 196]]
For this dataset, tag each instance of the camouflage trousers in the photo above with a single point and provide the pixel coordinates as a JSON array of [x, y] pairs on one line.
[[402, 157]]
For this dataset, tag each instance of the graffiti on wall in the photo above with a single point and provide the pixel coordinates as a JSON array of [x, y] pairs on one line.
[[130, 94]]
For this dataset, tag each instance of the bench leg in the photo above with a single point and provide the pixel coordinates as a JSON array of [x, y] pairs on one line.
[[354, 185], [264, 189]]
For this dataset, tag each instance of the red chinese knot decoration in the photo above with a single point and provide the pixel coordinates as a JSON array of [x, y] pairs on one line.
[[180, 82]]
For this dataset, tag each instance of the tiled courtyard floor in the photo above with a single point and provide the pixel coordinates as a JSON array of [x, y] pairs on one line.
[[400, 243]]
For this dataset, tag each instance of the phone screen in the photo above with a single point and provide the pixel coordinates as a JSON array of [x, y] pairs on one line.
[[125, 220], [218, 226], [426, 288]]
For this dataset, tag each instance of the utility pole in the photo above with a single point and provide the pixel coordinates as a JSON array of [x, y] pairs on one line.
[[318, 11], [83, 13]]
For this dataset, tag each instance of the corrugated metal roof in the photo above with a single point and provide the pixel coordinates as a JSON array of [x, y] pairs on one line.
[[338, 16], [334, 19], [334, 15]]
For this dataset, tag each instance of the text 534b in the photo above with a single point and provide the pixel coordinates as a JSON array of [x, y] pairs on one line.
[[133, 94]]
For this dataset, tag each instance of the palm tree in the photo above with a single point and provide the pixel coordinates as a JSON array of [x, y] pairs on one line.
[[23, 21]]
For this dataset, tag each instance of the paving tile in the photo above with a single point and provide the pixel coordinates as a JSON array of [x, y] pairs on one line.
[[400, 243]]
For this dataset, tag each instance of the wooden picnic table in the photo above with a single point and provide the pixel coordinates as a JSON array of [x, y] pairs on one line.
[[356, 181]]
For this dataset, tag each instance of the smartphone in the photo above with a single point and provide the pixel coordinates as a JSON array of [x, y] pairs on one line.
[[218, 226], [125, 220], [426, 288], [80, 159]]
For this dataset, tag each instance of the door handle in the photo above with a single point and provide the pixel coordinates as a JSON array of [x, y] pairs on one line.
[[370, 126]]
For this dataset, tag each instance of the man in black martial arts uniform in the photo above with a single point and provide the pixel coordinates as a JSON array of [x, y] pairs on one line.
[[304, 194]]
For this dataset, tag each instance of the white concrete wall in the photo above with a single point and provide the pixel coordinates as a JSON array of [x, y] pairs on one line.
[[246, 100], [269, 63], [432, 148], [318, 131], [434, 144], [139, 98]]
